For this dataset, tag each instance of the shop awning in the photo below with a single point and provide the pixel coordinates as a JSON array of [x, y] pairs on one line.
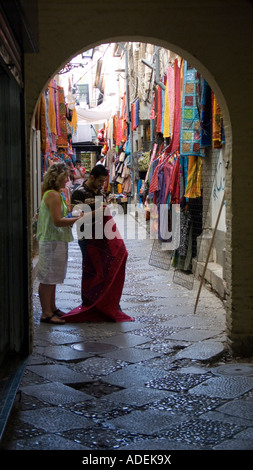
[[97, 115]]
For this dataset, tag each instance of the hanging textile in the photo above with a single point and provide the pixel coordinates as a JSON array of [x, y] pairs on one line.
[[206, 115], [51, 108], [171, 92], [175, 183], [62, 140], [49, 143], [119, 134], [57, 111], [194, 181], [216, 123], [159, 109], [74, 121], [175, 141], [190, 117], [41, 123], [135, 114], [166, 128]]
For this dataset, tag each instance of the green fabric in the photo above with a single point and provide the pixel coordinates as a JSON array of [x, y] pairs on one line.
[[46, 230]]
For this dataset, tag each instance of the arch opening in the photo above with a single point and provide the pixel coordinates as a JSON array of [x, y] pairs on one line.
[[216, 172]]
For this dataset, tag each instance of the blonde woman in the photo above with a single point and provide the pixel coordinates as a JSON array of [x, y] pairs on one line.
[[53, 233]]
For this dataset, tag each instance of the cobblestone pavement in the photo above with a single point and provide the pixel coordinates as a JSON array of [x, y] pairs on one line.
[[163, 382]]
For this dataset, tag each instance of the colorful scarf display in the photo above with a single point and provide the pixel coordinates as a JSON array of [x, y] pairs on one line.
[[190, 117]]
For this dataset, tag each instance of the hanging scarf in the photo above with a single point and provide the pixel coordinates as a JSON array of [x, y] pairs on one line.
[[216, 123], [166, 130], [194, 181], [42, 123], [190, 117], [206, 115], [51, 109], [62, 140], [171, 92]]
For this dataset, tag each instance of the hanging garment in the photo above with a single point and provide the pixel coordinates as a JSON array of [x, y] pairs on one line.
[[216, 123], [168, 172], [175, 183], [51, 109], [194, 181], [62, 140], [171, 92], [166, 128], [159, 110], [190, 117], [175, 141], [206, 115], [57, 110], [40, 122], [118, 131]]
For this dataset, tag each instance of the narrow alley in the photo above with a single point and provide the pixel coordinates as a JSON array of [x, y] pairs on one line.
[[163, 382]]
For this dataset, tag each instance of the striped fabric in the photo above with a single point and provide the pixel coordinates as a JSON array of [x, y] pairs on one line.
[[194, 180]]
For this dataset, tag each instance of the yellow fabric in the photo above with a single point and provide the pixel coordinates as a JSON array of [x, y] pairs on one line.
[[74, 120], [216, 123], [166, 130], [194, 180], [51, 112]]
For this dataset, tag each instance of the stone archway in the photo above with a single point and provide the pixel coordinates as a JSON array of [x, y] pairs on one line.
[[66, 30]]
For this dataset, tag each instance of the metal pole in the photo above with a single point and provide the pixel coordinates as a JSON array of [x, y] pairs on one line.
[[209, 251]]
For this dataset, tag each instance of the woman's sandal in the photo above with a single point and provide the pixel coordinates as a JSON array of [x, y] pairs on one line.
[[50, 320], [58, 313]]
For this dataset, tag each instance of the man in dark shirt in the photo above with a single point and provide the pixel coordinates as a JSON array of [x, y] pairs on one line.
[[103, 258], [90, 193]]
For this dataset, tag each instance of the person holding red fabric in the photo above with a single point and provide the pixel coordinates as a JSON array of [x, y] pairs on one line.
[[103, 257]]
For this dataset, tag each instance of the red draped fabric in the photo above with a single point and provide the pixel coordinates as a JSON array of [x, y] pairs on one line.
[[102, 280]]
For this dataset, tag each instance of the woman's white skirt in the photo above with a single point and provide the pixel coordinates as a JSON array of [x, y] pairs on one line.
[[53, 258]]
